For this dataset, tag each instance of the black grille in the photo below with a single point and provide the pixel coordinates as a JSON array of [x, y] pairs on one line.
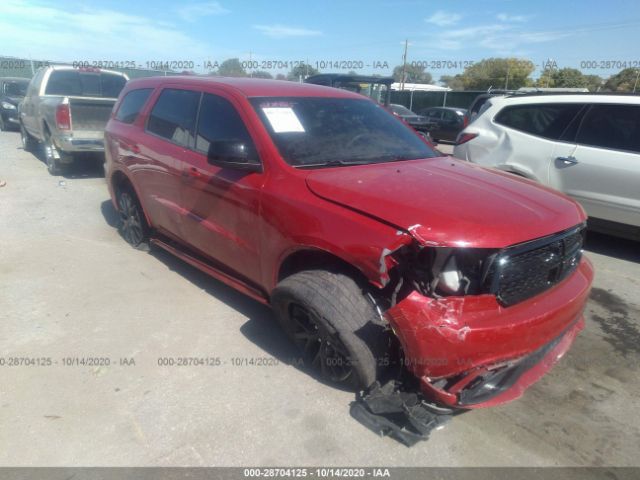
[[525, 270]]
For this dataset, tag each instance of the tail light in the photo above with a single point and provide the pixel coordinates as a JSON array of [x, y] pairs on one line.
[[465, 137], [465, 121], [63, 117]]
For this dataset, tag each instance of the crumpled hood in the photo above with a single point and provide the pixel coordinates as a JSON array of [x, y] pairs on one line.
[[449, 202]]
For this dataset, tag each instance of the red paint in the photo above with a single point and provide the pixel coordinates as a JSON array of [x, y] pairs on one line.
[[241, 226]]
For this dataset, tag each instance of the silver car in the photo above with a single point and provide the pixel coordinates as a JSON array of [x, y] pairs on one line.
[[585, 145], [66, 109]]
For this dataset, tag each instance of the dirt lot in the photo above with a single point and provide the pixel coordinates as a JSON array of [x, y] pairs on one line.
[[70, 287]]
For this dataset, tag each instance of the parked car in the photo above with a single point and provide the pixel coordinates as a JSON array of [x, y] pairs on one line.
[[12, 90], [585, 145], [376, 88], [444, 123], [322, 204], [482, 103], [66, 109], [417, 122]]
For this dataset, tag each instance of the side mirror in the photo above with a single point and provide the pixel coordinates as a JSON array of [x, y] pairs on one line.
[[233, 154]]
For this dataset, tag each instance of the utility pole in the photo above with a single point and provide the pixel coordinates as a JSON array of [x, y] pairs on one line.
[[636, 84], [404, 63], [250, 66]]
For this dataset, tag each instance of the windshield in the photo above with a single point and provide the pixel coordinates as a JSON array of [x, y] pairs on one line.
[[311, 132], [76, 83], [16, 88], [401, 110]]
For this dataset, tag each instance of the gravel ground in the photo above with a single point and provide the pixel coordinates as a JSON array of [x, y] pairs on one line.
[[70, 287]]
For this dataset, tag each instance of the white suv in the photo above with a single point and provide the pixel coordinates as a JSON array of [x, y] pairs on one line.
[[585, 145]]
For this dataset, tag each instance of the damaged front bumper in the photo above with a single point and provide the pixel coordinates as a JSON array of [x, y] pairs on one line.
[[471, 352]]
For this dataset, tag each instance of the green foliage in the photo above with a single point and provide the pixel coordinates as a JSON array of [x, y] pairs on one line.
[[624, 81], [261, 74], [412, 74], [454, 82], [511, 73], [568, 78], [301, 70], [231, 68]]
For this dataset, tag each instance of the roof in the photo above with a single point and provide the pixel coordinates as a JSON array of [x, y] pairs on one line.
[[70, 67], [249, 87], [453, 109], [524, 99], [328, 78], [420, 87]]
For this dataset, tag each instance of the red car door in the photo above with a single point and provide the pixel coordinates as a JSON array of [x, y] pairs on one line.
[[222, 205], [168, 133]]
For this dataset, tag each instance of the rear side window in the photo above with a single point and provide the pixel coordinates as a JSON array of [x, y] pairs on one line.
[[544, 120], [449, 116], [174, 116], [611, 126], [132, 104], [219, 121], [77, 83]]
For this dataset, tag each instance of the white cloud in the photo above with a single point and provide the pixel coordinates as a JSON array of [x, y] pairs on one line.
[[498, 38], [194, 11], [50, 33], [444, 19], [505, 17], [283, 31]]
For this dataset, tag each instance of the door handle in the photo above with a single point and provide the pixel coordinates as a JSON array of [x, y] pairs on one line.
[[570, 160]]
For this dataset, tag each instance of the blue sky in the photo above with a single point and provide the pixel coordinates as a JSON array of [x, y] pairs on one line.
[[372, 31]]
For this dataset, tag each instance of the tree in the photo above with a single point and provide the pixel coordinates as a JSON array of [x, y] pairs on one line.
[[412, 74], [261, 74], [568, 78], [511, 73], [453, 82], [232, 68], [303, 70], [624, 81]]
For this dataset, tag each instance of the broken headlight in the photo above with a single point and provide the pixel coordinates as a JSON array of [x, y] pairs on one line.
[[439, 271]]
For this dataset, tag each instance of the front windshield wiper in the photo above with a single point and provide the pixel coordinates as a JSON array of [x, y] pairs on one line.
[[331, 163], [369, 161]]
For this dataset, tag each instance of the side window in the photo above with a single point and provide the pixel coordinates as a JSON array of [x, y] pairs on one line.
[[132, 104], [449, 117], [34, 85], [611, 126], [174, 116], [218, 122], [434, 114], [544, 120]]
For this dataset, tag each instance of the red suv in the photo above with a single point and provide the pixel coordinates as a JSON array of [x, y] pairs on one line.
[[362, 238]]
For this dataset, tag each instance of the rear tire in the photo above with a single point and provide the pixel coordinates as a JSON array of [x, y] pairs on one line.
[[29, 143], [335, 326], [133, 224], [53, 157]]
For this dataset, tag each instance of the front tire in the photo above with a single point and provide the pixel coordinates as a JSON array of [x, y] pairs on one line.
[[335, 326], [133, 225]]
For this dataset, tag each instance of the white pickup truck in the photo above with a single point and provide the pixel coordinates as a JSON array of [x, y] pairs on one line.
[[66, 110]]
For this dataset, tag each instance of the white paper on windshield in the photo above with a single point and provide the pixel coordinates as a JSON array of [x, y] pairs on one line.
[[283, 119]]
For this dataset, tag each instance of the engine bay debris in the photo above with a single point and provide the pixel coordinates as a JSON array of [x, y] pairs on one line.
[[388, 410]]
